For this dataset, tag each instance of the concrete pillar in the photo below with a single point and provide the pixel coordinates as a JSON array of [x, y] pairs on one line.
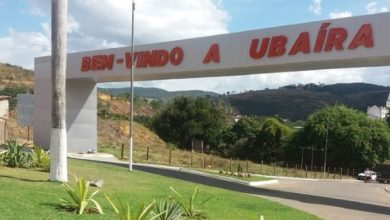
[[81, 110]]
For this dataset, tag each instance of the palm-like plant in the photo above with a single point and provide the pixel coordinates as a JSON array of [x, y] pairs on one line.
[[41, 158], [190, 210], [16, 155], [124, 212], [80, 198], [167, 210]]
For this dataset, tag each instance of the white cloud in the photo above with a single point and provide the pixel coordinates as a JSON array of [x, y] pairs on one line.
[[98, 24], [315, 7], [20, 48], [343, 14], [373, 8]]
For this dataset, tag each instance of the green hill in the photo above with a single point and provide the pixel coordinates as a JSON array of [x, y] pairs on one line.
[[296, 102], [156, 93], [11, 76]]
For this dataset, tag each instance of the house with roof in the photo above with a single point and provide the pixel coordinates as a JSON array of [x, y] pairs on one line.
[[379, 112]]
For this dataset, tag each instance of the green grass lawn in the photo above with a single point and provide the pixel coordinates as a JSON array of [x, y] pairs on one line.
[[26, 194]]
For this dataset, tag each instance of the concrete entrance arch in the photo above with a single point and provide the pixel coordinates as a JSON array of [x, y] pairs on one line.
[[349, 42]]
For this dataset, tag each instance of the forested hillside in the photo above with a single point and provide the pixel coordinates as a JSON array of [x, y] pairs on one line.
[[296, 102], [156, 93]]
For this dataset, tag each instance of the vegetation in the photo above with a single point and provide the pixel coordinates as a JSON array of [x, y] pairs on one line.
[[186, 119], [13, 91], [124, 212], [256, 139], [352, 139], [11, 76], [297, 102], [158, 94], [16, 155], [168, 210], [190, 207], [79, 198], [40, 158], [24, 188]]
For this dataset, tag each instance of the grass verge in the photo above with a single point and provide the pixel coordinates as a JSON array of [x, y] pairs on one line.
[[224, 174], [26, 194]]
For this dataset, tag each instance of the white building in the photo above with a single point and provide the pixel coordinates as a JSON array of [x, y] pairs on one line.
[[4, 106], [379, 112]]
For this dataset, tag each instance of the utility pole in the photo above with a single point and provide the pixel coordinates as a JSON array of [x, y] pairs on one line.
[[302, 148], [131, 88], [311, 165], [326, 144]]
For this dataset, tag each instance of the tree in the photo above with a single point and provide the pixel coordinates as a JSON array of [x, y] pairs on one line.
[[58, 142], [353, 139], [187, 118], [270, 141], [388, 117], [247, 127], [245, 131]]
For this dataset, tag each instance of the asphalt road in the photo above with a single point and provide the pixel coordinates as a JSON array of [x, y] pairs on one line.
[[346, 199]]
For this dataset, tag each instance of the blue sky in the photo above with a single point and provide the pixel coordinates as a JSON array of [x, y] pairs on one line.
[[25, 32]]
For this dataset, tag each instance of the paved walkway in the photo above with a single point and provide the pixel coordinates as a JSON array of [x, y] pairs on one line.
[[327, 199]]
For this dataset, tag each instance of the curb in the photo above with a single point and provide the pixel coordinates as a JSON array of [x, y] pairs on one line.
[[89, 157]]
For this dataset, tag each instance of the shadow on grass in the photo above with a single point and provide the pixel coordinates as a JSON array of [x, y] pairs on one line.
[[305, 198], [64, 209], [56, 206], [24, 179]]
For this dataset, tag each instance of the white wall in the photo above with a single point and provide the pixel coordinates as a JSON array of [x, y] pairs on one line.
[[81, 111], [4, 108]]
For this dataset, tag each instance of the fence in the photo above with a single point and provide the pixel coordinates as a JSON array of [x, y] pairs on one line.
[[196, 160]]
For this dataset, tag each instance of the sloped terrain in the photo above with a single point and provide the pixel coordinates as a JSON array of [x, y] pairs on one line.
[[298, 102]]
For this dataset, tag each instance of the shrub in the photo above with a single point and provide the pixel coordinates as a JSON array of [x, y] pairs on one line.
[[41, 158], [80, 198], [124, 212], [16, 155], [190, 210], [167, 210]]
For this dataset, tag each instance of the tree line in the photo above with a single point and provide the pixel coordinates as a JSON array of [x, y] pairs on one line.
[[348, 136]]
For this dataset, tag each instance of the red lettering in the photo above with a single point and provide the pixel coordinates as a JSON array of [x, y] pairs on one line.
[[128, 59], [139, 58], [96, 62], [363, 37], [321, 37], [212, 55], [336, 38], [102, 62], [257, 54], [176, 56], [277, 46], [302, 44], [108, 61], [85, 64], [161, 58], [147, 59]]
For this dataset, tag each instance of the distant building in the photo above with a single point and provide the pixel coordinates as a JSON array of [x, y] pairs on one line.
[[379, 112], [4, 106]]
